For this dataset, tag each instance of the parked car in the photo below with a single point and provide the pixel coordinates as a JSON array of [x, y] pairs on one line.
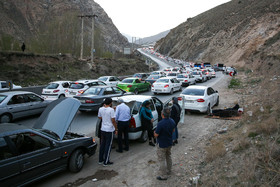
[[79, 87], [186, 79], [135, 103], [152, 78], [55, 90], [199, 76], [141, 76], [134, 85], [17, 104], [30, 154], [93, 97], [200, 98], [166, 85], [5, 86], [110, 80]]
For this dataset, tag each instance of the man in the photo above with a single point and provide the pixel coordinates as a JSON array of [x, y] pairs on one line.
[[163, 133], [122, 118], [108, 126], [175, 115]]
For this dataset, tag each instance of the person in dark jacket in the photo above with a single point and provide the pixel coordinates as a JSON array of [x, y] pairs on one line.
[[147, 120], [23, 47], [175, 115]]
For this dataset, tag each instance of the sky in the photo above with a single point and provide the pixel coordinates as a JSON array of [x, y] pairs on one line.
[[144, 18]]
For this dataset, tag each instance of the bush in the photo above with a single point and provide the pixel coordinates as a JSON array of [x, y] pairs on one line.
[[234, 83]]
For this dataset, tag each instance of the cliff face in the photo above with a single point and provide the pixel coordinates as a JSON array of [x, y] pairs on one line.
[[230, 33], [54, 23]]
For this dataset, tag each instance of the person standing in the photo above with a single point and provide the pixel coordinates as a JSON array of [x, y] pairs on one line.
[[163, 133], [23, 47], [122, 118], [175, 115], [108, 126], [147, 120]]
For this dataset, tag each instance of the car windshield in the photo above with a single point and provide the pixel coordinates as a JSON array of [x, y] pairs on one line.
[[2, 97], [76, 85], [153, 77], [194, 92], [171, 74], [137, 75], [155, 73], [103, 79], [52, 86], [127, 80], [182, 76], [196, 73], [93, 91], [163, 80]]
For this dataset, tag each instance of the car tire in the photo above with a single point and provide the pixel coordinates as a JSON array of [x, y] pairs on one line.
[[61, 96], [144, 137], [76, 161], [5, 118], [136, 91], [155, 93], [171, 91], [218, 101]]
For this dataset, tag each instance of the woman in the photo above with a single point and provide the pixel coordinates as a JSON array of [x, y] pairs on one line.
[[147, 120], [175, 115]]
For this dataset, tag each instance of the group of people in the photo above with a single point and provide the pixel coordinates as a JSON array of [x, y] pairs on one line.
[[117, 121]]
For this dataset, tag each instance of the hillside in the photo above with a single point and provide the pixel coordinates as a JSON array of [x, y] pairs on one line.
[[152, 39], [54, 27]]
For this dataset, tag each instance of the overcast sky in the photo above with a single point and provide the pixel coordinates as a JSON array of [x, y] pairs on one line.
[[144, 18]]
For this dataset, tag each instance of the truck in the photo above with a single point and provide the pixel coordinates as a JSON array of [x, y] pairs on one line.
[[219, 67]]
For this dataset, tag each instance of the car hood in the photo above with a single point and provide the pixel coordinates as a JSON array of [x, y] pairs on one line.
[[58, 116]]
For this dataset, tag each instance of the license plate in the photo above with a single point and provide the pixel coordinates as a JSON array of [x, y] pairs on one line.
[[158, 90], [189, 101], [47, 92], [72, 93], [82, 101]]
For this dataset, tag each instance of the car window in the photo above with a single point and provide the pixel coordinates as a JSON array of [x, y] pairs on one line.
[[153, 77], [163, 80], [93, 91], [152, 105], [17, 99], [136, 107], [29, 142], [52, 86], [157, 102], [2, 98], [33, 98], [3, 84], [172, 80], [101, 83], [103, 79], [211, 90], [117, 90], [137, 81], [127, 81], [5, 151], [194, 92], [76, 85], [65, 85], [108, 91]]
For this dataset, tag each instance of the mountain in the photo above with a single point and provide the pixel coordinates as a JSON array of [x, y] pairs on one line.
[[54, 26], [152, 39]]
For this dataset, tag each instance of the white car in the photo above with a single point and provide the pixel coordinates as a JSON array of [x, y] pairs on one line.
[[208, 74], [199, 76], [4, 86], [110, 80], [213, 73], [186, 79], [161, 73], [55, 90], [200, 98], [78, 87], [166, 85]]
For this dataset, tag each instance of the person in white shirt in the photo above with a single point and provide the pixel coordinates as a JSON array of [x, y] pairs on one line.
[[108, 126], [122, 117]]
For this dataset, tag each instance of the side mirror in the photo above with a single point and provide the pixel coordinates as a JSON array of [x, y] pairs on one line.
[[53, 144]]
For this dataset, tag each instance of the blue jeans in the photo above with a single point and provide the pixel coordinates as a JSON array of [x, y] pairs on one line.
[[175, 134]]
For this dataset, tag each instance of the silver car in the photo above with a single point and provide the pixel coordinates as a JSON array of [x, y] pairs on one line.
[[19, 104]]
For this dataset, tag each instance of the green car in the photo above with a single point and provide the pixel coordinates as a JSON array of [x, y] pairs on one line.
[[134, 85]]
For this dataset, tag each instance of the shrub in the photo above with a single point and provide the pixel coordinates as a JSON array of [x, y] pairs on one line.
[[217, 149], [234, 83]]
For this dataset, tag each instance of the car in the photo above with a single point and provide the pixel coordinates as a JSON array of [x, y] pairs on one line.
[[141, 76], [18, 104], [80, 86], [166, 85], [186, 79], [133, 84], [4, 85], [213, 73], [55, 90], [135, 103], [110, 80], [199, 76], [200, 98], [93, 97], [207, 73], [30, 154], [161, 73], [152, 78]]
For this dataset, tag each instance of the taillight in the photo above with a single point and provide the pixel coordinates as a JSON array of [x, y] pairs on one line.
[[180, 98], [166, 86], [89, 101], [81, 91], [200, 100], [186, 80], [152, 85], [55, 91], [129, 86], [132, 123], [66, 90]]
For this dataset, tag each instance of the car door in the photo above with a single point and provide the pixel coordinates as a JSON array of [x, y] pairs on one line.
[[158, 106], [210, 96], [139, 85], [36, 155], [155, 114], [214, 96], [108, 92], [178, 84], [18, 106], [36, 104]]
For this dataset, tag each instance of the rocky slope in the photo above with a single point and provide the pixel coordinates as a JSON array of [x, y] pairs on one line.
[[53, 26]]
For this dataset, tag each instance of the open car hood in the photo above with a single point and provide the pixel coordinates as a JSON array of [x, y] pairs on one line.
[[58, 116]]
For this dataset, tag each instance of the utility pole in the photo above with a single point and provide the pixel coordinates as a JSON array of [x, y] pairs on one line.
[[82, 39]]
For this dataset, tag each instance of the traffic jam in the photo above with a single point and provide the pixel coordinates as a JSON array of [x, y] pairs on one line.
[[31, 153]]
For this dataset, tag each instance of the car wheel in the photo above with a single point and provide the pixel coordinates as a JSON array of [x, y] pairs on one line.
[[208, 111], [136, 91], [171, 91], [61, 96], [144, 136], [218, 101], [76, 161], [5, 118]]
